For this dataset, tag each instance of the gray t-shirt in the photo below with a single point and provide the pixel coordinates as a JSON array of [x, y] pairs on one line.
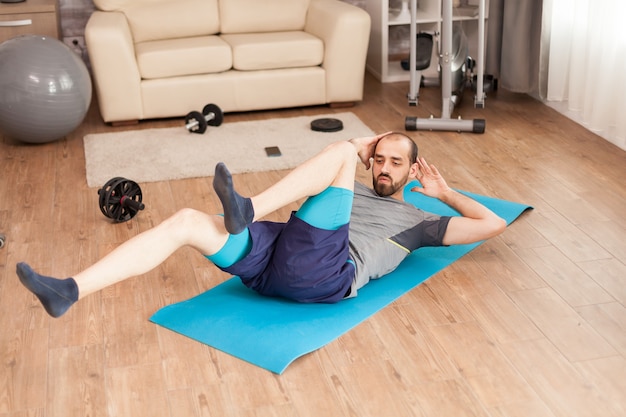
[[383, 231]]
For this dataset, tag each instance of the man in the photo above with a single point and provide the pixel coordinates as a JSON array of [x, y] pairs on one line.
[[343, 235]]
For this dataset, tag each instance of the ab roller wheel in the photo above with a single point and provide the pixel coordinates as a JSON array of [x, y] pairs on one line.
[[196, 122], [120, 199], [3, 238]]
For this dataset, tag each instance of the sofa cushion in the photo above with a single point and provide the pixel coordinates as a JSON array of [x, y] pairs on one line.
[[176, 57], [117, 5], [249, 16], [172, 19], [259, 51]]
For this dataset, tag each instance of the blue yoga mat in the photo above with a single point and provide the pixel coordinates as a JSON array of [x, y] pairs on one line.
[[271, 332]]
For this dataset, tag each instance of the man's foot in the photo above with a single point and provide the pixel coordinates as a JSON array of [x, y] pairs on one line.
[[238, 210], [56, 295]]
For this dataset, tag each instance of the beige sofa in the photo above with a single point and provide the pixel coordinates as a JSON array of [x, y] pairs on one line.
[[163, 58]]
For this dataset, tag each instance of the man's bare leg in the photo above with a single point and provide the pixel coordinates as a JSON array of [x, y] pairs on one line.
[[136, 256]]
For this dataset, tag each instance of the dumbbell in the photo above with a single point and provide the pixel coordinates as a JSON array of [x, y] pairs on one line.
[[196, 122], [120, 199]]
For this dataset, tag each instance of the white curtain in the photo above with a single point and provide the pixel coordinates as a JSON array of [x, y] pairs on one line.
[[584, 43]]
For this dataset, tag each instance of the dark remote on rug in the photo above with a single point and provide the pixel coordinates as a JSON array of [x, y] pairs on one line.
[[272, 151]]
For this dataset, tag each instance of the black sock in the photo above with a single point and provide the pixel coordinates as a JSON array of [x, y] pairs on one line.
[[56, 295], [238, 210]]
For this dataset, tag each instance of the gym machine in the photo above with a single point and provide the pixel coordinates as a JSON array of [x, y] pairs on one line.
[[453, 62]]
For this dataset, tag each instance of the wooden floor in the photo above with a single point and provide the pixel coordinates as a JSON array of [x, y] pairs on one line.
[[531, 323]]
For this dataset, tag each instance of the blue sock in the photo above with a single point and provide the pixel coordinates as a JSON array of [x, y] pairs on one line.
[[56, 295], [238, 210]]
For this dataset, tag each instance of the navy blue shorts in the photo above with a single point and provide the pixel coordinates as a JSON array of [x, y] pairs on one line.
[[297, 261]]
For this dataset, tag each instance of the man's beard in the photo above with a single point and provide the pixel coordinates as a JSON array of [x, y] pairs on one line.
[[385, 189]]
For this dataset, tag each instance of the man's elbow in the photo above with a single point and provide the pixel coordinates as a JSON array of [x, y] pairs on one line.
[[462, 230]]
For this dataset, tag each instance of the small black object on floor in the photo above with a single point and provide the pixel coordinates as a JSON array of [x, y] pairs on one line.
[[120, 199], [273, 151], [327, 125]]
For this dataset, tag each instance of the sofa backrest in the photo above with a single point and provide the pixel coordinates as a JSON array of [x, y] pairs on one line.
[[168, 19], [250, 16]]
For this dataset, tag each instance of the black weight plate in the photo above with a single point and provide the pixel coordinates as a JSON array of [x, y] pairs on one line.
[[107, 198], [196, 116], [218, 117], [327, 125]]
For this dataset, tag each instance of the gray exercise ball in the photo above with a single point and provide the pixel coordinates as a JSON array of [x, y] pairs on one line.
[[45, 89]]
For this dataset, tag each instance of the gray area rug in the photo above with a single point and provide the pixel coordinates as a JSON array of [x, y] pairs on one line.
[[173, 153]]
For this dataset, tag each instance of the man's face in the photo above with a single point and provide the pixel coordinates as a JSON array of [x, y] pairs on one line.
[[391, 169]]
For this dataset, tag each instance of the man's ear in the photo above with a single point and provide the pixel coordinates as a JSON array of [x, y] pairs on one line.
[[413, 170]]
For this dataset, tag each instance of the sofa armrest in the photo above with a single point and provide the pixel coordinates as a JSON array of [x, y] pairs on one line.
[[114, 67], [345, 30]]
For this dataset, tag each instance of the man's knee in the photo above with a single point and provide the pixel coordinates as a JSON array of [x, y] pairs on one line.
[[196, 228], [345, 148], [347, 171], [182, 218], [188, 219]]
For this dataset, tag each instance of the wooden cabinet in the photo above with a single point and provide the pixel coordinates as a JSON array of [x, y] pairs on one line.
[[393, 15], [31, 17]]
